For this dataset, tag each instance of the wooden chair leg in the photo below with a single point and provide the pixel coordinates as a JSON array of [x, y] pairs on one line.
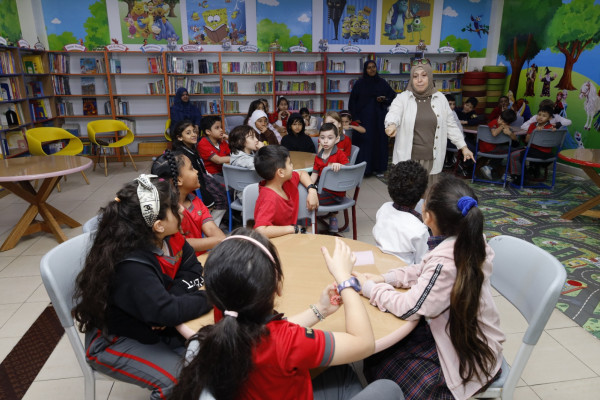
[[105, 164], [97, 160], [85, 177], [131, 158]]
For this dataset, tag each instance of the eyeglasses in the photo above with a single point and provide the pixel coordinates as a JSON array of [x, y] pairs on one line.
[[420, 61]]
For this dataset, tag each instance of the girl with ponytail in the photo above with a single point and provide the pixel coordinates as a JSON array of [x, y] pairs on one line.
[[253, 352], [456, 349]]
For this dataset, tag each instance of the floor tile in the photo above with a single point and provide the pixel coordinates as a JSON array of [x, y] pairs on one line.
[[65, 389], [5, 260], [580, 343], [6, 346], [25, 265], [17, 290], [7, 311], [525, 393], [511, 320], [126, 391], [581, 389], [39, 295], [22, 319], [560, 320], [61, 363]]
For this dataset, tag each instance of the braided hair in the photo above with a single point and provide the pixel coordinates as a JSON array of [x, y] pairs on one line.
[[168, 165]]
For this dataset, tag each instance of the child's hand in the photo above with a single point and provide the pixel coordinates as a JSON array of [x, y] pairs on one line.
[[328, 302], [312, 200], [463, 122], [335, 166], [341, 263], [260, 144]]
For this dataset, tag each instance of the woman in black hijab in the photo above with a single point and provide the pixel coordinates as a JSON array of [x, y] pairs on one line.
[[369, 101]]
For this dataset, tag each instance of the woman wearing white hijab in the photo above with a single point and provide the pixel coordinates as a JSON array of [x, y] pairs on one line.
[[260, 123]]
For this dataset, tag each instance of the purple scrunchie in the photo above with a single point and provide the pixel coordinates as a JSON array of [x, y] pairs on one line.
[[465, 203]]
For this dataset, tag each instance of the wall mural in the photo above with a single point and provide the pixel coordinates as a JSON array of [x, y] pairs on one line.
[[349, 21], [10, 27], [465, 26], [551, 60], [150, 21], [406, 22], [216, 21], [283, 23]]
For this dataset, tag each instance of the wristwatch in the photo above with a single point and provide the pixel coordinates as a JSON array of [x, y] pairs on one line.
[[350, 283], [299, 229], [312, 186]]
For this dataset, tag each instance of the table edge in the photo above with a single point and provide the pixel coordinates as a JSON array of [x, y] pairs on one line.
[[69, 171]]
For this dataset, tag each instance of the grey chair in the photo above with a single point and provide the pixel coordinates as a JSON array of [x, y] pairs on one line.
[[59, 269], [531, 279], [349, 177], [484, 133], [353, 154], [315, 140], [544, 138], [250, 197], [231, 121], [303, 212], [91, 225], [237, 178]]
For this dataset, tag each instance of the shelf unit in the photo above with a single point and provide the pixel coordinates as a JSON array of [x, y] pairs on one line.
[[26, 88], [140, 87]]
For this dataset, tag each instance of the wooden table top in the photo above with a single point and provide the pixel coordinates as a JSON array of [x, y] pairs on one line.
[[306, 275], [40, 167], [302, 160], [585, 157]]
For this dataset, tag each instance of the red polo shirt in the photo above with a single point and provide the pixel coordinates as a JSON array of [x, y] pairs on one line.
[[206, 150], [193, 219], [336, 156], [273, 210]]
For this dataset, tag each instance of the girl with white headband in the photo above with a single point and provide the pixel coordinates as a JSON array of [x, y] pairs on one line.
[[139, 284], [253, 352]]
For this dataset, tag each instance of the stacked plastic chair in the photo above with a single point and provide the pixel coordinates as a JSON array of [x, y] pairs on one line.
[[495, 84], [473, 85]]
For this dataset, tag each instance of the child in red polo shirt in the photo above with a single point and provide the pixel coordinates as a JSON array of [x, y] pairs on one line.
[[349, 125], [197, 224], [213, 149], [276, 211], [329, 155], [500, 125], [516, 157], [345, 143]]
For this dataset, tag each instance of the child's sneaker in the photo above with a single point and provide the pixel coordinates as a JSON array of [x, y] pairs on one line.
[[486, 171], [333, 224]]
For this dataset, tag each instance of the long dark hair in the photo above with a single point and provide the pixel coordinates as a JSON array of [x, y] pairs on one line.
[[168, 165], [238, 277], [293, 118], [237, 138], [121, 230], [254, 105], [177, 132], [466, 335]]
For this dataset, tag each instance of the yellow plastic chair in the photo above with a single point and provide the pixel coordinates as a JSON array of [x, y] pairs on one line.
[[37, 136], [167, 126], [109, 126]]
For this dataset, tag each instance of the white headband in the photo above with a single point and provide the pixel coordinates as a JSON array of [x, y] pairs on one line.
[[149, 199], [255, 242]]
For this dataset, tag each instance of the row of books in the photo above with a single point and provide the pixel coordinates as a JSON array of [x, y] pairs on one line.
[[298, 104], [92, 66], [121, 107], [231, 106], [211, 87], [155, 65], [9, 89], [292, 86], [398, 85], [263, 87], [157, 87], [115, 66], [208, 106], [249, 67], [33, 88], [179, 65], [192, 86], [206, 67], [455, 66], [14, 142], [335, 85], [40, 109], [64, 108], [7, 118], [333, 66], [59, 63], [230, 87], [32, 64], [7, 63], [448, 85], [334, 105]]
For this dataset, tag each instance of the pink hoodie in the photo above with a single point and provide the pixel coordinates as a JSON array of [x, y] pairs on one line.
[[430, 284]]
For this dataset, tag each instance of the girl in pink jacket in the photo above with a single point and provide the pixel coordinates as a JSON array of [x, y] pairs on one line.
[[455, 350]]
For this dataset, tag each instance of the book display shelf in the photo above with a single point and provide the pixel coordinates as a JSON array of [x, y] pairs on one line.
[[26, 97]]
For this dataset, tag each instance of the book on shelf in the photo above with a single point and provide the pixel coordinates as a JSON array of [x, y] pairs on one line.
[[88, 85], [256, 67], [263, 87], [9, 89], [230, 87], [11, 115], [15, 141], [157, 87], [33, 88], [115, 66], [64, 108], [211, 87], [90, 107], [351, 83], [59, 63], [293, 86], [88, 65], [334, 105], [7, 63], [107, 110], [40, 109], [61, 85], [155, 65], [121, 107], [206, 67], [231, 106], [296, 105], [192, 86], [33, 64], [398, 85]]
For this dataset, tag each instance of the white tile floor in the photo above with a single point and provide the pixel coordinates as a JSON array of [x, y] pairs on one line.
[[565, 363]]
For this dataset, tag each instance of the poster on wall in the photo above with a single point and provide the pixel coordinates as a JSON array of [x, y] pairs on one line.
[[349, 21], [10, 27], [150, 21], [554, 62], [466, 25], [282, 24], [90, 28], [406, 22], [216, 21]]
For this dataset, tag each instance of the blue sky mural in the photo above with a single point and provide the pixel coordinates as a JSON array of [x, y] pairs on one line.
[[465, 25], [284, 20], [58, 21]]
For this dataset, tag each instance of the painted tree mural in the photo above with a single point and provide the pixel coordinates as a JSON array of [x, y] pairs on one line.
[[10, 28], [96, 26], [574, 29], [522, 32]]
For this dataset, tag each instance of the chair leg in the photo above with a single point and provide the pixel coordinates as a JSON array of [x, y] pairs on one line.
[[97, 161], [354, 233], [131, 158], [85, 177], [105, 164]]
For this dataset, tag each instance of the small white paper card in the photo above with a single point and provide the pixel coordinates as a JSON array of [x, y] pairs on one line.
[[364, 258]]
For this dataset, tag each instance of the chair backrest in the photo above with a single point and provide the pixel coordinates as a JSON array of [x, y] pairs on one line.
[[167, 130], [347, 178], [250, 196], [37, 136], [238, 178], [303, 212], [91, 225], [530, 278], [315, 140], [548, 138], [231, 121], [353, 154], [485, 133], [108, 126], [319, 122]]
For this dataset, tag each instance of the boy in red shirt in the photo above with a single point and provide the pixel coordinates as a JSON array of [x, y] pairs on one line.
[[498, 126], [213, 149], [331, 156], [516, 158], [276, 211]]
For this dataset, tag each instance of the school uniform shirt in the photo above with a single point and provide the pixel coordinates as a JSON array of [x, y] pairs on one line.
[[486, 147], [206, 150], [430, 284], [345, 145], [556, 120], [471, 117], [336, 156], [535, 146], [283, 359], [151, 288], [273, 210], [193, 218]]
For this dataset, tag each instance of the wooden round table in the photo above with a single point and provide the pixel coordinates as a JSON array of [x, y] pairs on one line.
[[587, 159], [306, 275], [15, 175], [302, 160]]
